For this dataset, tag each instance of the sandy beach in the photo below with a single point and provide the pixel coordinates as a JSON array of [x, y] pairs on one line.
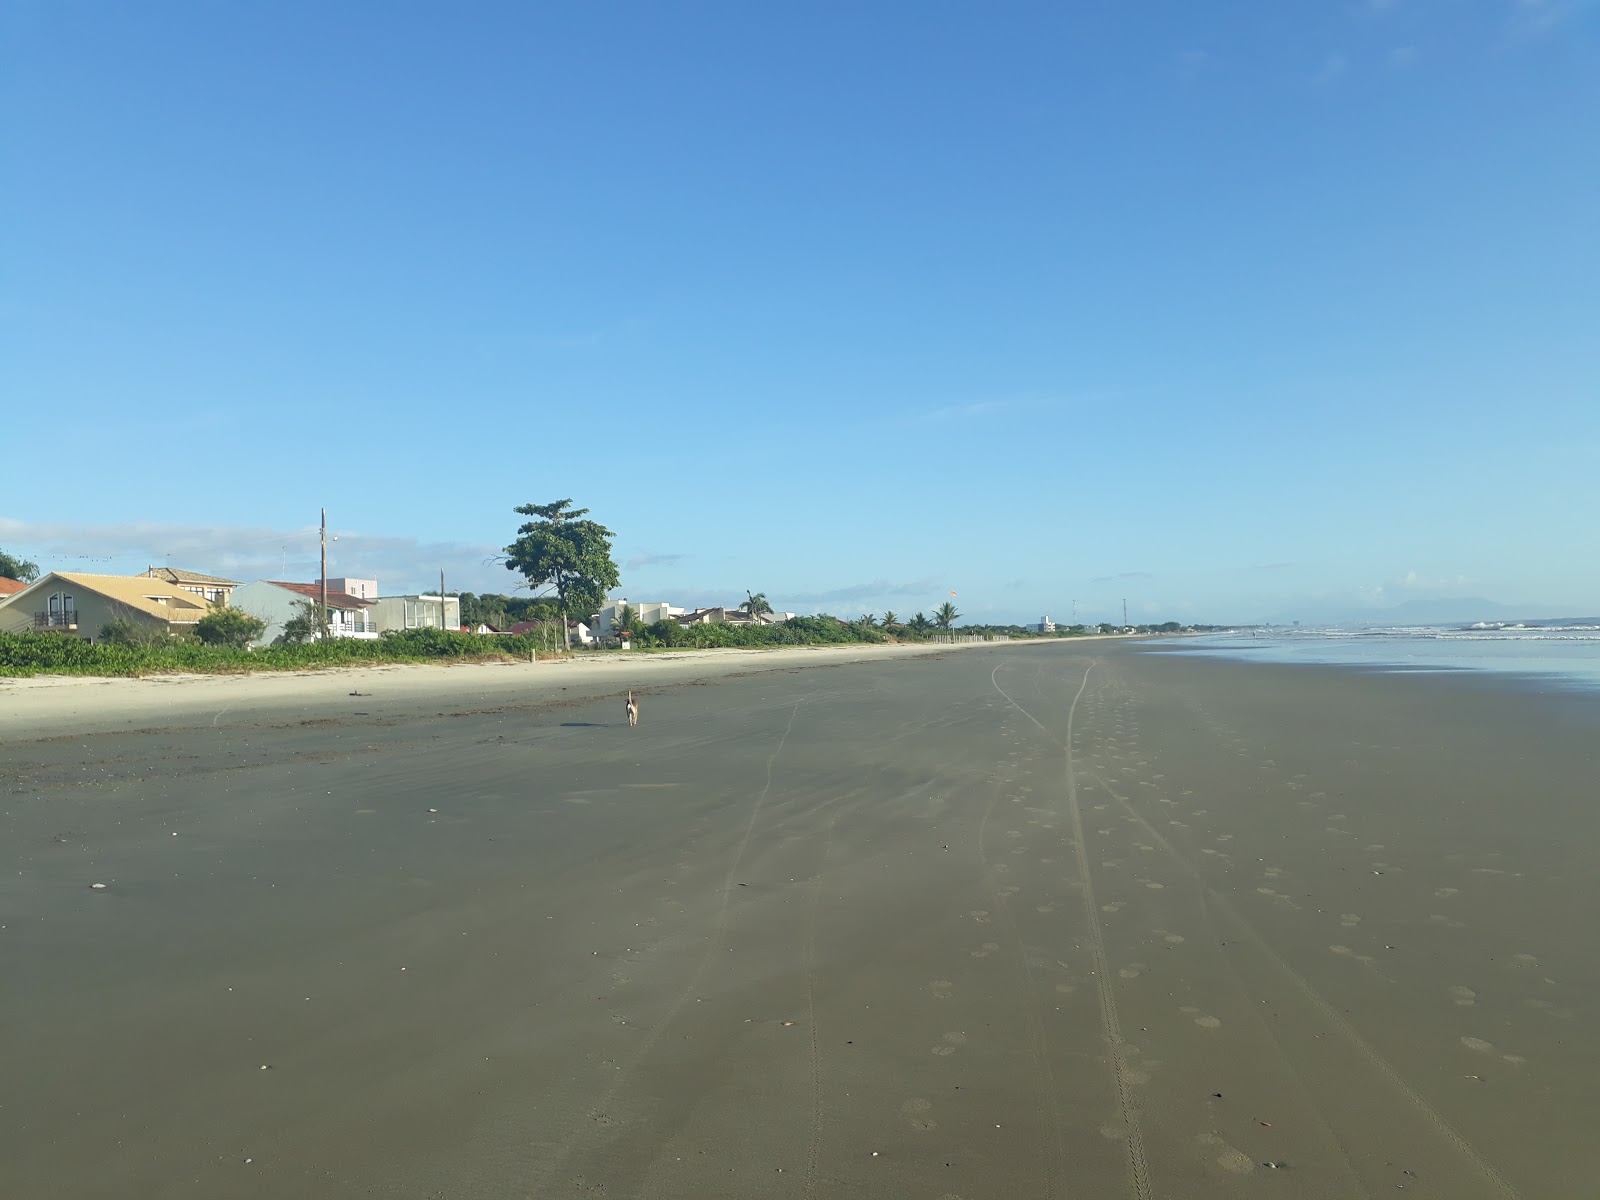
[[1026, 920]]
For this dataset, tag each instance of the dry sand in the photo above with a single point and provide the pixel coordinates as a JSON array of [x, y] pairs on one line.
[[1063, 920]]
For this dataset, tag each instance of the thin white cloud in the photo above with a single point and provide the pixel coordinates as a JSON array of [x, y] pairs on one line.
[[400, 564], [1536, 17], [1333, 66], [877, 589], [646, 559]]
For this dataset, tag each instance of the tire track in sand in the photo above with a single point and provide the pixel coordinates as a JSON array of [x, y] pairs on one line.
[[1327, 1011], [1111, 1025], [570, 1143]]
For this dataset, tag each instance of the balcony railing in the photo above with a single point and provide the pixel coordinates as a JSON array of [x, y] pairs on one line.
[[56, 620]]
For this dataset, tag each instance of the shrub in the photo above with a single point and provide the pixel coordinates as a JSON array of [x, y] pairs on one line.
[[229, 627]]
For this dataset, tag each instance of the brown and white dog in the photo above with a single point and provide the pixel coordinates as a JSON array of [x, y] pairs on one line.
[[633, 710]]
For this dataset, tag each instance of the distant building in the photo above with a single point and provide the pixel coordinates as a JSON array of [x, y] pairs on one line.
[[213, 588], [10, 587], [1044, 626], [647, 612], [277, 602], [361, 589], [394, 613]]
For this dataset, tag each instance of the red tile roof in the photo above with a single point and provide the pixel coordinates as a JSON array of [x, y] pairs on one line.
[[10, 587], [313, 591]]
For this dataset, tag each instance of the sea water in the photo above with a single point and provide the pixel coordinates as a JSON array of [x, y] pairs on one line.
[[1567, 654]]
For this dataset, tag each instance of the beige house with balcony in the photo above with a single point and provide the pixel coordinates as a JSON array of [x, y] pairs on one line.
[[212, 588], [81, 605]]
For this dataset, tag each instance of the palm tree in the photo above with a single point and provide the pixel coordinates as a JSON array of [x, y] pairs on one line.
[[891, 619], [945, 615], [919, 624], [755, 603], [867, 619]]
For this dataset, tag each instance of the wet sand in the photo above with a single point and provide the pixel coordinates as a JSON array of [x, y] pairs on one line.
[[1057, 920]]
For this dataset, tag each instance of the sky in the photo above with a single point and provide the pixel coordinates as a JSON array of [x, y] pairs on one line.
[[1236, 311]]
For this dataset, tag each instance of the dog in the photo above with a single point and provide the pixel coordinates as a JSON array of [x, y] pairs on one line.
[[632, 708]]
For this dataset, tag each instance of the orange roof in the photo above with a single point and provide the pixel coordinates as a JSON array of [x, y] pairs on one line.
[[10, 587], [313, 591]]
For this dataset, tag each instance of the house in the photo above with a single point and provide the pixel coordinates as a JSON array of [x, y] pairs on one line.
[[648, 613], [394, 613], [361, 589], [578, 633], [1044, 626], [277, 602], [81, 605], [732, 616], [209, 587], [10, 587]]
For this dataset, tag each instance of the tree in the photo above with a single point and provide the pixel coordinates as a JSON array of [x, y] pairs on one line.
[[756, 603], [307, 625], [566, 554], [891, 619], [867, 620], [945, 615], [12, 567], [229, 627], [919, 624]]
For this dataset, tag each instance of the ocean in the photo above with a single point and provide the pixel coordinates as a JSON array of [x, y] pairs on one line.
[[1554, 654]]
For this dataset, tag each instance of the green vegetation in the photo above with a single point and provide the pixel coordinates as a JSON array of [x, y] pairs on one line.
[[12, 567], [566, 554], [24, 654], [229, 627]]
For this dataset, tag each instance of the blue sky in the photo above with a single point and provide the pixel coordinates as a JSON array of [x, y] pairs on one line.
[[1232, 309]]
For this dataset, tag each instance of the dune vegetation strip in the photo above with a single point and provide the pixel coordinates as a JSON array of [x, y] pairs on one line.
[[29, 654]]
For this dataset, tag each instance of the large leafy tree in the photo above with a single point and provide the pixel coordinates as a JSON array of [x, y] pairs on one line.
[[562, 552], [755, 603], [945, 615], [12, 567], [891, 619], [919, 624]]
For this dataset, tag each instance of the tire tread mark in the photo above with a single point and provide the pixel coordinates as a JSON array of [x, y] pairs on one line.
[[1138, 1161], [1327, 1011]]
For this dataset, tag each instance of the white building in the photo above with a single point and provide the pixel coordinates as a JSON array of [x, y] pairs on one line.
[[1044, 626], [277, 602], [394, 613], [361, 589], [648, 613]]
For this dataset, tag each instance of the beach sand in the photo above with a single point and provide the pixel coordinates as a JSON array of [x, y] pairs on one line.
[[1046, 920]]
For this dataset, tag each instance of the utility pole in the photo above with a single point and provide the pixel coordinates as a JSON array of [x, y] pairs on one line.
[[324, 572], [442, 624], [1124, 612]]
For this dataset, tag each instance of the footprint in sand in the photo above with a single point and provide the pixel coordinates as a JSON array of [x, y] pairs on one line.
[[1230, 1159], [916, 1112], [1066, 989], [1445, 893], [1044, 908], [1349, 920], [941, 989], [1204, 1020], [1464, 996], [1132, 970], [1478, 1045], [1524, 962], [980, 915], [1172, 939], [1346, 952], [1114, 907], [986, 949]]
